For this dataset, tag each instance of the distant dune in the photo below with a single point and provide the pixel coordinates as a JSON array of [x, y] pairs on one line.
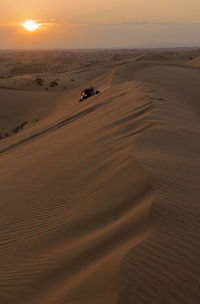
[[154, 57], [195, 61], [100, 199]]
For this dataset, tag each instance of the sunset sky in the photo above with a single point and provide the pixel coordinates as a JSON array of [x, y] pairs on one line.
[[88, 24]]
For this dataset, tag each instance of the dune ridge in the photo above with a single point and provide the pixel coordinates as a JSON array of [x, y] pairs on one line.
[[166, 262], [93, 228], [100, 200]]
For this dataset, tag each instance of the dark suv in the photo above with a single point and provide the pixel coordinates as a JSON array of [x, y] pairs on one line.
[[87, 93]]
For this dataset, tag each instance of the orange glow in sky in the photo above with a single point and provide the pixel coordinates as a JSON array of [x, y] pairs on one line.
[[99, 24]]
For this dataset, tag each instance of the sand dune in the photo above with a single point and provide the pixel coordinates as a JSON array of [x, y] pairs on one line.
[[154, 57], [20, 106], [171, 251], [96, 223], [195, 61], [100, 200]]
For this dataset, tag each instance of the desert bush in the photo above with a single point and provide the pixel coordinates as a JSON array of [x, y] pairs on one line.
[[20, 127], [53, 84], [39, 81]]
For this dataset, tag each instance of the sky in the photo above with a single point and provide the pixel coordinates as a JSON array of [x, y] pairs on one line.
[[100, 23]]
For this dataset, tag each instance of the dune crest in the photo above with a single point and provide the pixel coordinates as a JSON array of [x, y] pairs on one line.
[[100, 199], [166, 262], [96, 210]]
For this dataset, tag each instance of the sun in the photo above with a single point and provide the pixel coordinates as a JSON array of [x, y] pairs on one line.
[[31, 25]]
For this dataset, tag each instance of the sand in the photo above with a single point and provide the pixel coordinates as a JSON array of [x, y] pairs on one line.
[[100, 199]]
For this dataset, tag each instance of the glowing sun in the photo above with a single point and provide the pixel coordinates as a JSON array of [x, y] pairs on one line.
[[31, 25]]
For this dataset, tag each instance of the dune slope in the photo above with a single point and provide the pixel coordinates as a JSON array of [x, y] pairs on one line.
[[74, 200], [164, 268], [100, 201]]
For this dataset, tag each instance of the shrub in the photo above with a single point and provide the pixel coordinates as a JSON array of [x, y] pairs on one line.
[[39, 81], [53, 84], [20, 127]]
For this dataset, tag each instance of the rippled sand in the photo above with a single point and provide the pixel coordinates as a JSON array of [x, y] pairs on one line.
[[100, 199]]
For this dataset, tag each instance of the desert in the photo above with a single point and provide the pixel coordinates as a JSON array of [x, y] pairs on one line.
[[100, 199]]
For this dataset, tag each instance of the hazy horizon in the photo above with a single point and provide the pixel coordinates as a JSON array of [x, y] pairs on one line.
[[117, 24]]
